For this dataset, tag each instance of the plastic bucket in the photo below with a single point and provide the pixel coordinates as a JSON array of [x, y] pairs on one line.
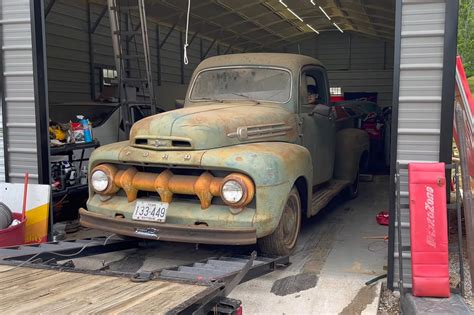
[[13, 235]]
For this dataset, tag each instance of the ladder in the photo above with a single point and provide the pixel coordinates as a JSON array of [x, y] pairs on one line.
[[132, 59]]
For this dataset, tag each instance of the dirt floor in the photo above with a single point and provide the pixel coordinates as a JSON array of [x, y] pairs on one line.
[[335, 256]]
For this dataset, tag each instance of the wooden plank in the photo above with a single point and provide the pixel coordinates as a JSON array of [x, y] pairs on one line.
[[27, 290]]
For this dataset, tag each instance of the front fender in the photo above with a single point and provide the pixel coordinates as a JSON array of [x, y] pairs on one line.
[[274, 168], [268, 163]]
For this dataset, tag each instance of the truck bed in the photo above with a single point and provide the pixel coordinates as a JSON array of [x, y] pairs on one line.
[[28, 290]]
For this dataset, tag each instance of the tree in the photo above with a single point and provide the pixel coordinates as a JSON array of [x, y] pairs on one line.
[[466, 35]]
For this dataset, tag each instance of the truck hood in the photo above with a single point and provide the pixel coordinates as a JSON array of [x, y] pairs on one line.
[[215, 125]]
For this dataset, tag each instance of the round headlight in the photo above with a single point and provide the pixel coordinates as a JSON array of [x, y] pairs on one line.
[[99, 181], [232, 191]]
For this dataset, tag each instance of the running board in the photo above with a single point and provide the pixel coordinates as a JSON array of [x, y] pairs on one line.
[[325, 194]]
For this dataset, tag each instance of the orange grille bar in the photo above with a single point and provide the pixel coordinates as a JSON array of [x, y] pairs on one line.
[[166, 184]]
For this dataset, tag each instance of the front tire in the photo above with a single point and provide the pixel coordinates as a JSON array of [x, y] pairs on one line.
[[282, 241]]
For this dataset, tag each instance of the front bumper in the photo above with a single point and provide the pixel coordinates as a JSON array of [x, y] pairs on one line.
[[169, 232]]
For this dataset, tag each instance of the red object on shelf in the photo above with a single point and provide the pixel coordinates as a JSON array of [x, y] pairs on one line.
[[429, 229]]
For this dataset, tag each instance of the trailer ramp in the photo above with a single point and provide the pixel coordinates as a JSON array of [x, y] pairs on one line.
[[42, 279]]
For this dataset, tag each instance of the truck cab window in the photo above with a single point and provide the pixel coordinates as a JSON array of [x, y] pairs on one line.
[[313, 90]]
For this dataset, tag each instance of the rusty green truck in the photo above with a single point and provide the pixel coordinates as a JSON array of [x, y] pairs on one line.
[[249, 155]]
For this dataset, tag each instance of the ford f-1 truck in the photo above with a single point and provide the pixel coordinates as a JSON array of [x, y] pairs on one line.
[[249, 155]]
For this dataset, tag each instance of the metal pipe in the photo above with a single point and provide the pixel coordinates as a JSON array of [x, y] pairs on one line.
[[399, 232], [459, 223], [466, 185]]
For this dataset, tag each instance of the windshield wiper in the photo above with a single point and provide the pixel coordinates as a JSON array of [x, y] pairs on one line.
[[246, 96]]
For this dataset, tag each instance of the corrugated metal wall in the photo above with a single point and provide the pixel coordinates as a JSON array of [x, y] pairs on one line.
[[68, 51], [18, 89], [419, 101], [355, 63]]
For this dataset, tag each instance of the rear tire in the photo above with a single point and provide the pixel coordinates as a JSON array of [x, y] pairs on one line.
[[282, 241], [352, 191]]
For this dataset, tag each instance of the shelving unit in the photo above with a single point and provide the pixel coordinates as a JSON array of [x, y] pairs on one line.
[[68, 149]]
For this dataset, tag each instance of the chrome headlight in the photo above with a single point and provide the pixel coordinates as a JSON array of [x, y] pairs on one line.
[[232, 191], [99, 181], [237, 191]]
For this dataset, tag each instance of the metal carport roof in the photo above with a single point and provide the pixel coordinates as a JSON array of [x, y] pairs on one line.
[[270, 25]]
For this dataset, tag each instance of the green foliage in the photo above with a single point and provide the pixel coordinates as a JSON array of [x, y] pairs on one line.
[[471, 84], [466, 35]]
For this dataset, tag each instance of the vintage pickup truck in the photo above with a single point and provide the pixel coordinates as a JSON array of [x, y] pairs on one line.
[[242, 163]]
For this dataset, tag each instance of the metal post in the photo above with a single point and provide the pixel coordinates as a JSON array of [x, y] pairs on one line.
[[399, 232], [181, 56], [91, 51], [459, 224], [209, 48], [466, 186], [40, 70], [200, 48], [158, 54]]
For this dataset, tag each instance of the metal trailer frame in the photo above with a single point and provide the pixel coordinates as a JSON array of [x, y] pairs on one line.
[[214, 298]]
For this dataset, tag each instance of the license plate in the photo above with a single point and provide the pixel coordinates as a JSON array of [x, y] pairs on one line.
[[150, 211]]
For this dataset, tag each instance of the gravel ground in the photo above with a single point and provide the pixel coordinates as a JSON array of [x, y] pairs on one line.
[[455, 277], [389, 302]]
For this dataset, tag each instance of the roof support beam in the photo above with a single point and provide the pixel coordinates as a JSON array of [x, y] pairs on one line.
[[369, 19], [203, 56], [99, 18], [192, 38], [228, 49], [49, 7], [209, 22], [163, 42]]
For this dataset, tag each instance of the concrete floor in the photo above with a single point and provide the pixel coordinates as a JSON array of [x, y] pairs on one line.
[[332, 261], [332, 247]]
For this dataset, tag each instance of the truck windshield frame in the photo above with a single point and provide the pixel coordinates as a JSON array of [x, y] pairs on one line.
[[247, 84]]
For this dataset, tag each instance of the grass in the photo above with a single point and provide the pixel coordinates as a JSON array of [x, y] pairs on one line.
[[471, 83]]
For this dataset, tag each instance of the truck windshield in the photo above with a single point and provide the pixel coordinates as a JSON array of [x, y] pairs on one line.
[[257, 84]]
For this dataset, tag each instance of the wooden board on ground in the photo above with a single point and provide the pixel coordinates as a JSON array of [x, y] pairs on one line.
[[28, 291]]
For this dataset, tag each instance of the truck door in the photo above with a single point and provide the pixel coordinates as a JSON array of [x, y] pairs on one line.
[[319, 132]]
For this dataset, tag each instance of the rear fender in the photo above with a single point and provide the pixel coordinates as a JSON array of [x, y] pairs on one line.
[[351, 144]]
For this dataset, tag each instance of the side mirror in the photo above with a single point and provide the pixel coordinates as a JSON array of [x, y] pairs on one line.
[[322, 110]]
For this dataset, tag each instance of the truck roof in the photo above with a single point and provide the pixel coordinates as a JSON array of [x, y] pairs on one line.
[[293, 62]]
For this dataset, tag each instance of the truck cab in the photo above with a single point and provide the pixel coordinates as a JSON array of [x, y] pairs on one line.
[[256, 148]]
